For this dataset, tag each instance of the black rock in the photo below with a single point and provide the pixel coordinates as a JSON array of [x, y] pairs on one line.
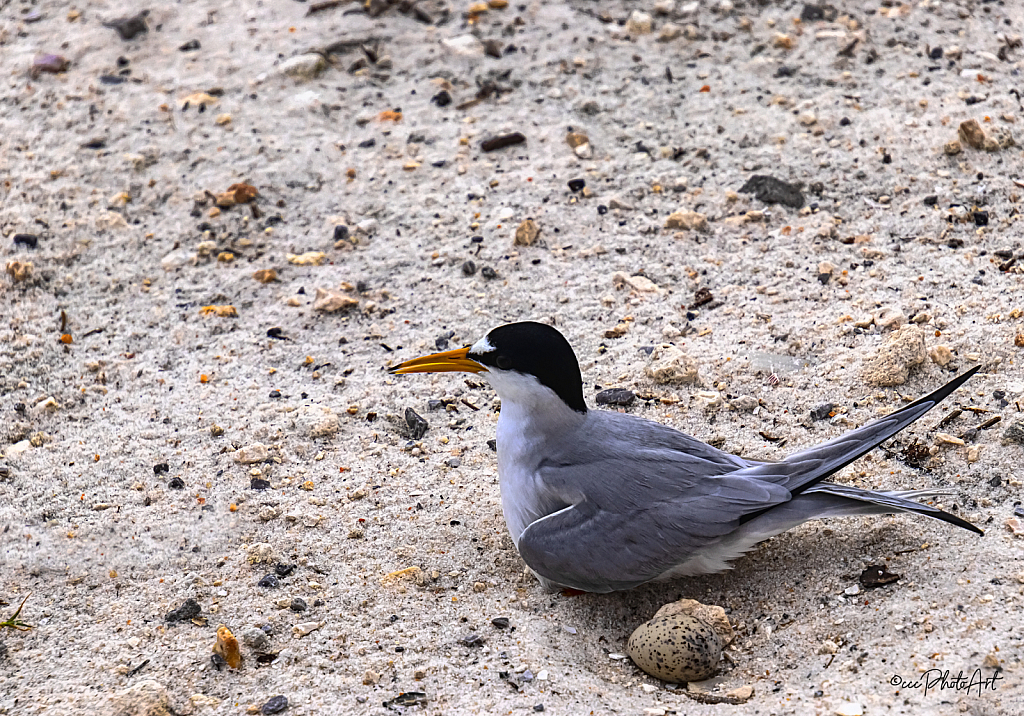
[[813, 13], [821, 412], [275, 394], [602, 209], [275, 705], [129, 27], [931, 200], [27, 240], [935, 53], [844, 122], [469, 268], [270, 581], [471, 639], [488, 273], [161, 467], [190, 609], [298, 605], [877, 575], [538, 708], [341, 233], [442, 98], [417, 425], [616, 396], [190, 46], [176, 483], [981, 218], [500, 622], [283, 570], [366, 144], [258, 483], [576, 185], [501, 141], [774, 191]]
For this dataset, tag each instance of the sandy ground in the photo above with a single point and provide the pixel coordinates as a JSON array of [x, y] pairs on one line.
[[129, 453]]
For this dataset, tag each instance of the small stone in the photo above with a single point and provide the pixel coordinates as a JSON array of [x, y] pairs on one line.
[[583, 151], [889, 318], [575, 139], [19, 270], [501, 141], [744, 403], [740, 694], [638, 283], [465, 45], [303, 67], [639, 23], [849, 709], [665, 7], [941, 356], [526, 233], [828, 647], [1014, 432], [227, 648], [687, 220], [952, 148], [618, 330], [47, 63], [616, 396], [129, 27], [876, 575], [252, 454], [488, 273], [298, 604], [275, 705], [619, 203], [807, 119], [255, 638], [891, 364], [189, 609], [316, 421], [972, 134], [669, 31], [479, 587], [310, 258], [770, 190], [471, 639], [469, 268], [669, 365], [417, 425], [370, 678], [442, 98], [270, 582], [822, 411], [500, 622], [265, 275], [329, 300], [306, 628]]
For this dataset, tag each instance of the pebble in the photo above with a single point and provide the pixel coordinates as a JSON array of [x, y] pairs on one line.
[[252, 454], [270, 581], [309, 258], [417, 425], [849, 709], [576, 139], [770, 190], [941, 356], [255, 638], [275, 705], [676, 649], [891, 364], [583, 151], [639, 23], [189, 609], [669, 31], [639, 283], [972, 134], [619, 203], [616, 396], [669, 365], [526, 233], [501, 141], [298, 604], [329, 300], [500, 622], [316, 421], [227, 647], [303, 67], [1014, 432], [822, 411], [687, 220], [370, 677], [469, 268], [744, 403], [129, 27], [952, 148], [465, 45], [45, 62], [889, 318]]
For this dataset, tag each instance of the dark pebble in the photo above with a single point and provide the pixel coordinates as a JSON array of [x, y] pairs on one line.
[[935, 53], [161, 467], [190, 46], [701, 296], [469, 268], [844, 122], [996, 481], [28, 240], [773, 191], [188, 610], [111, 79], [283, 570], [886, 158], [277, 332], [129, 27], [218, 661], [493, 445], [442, 98], [824, 278], [616, 396], [176, 483], [298, 605], [275, 394], [341, 233], [876, 575], [258, 483], [981, 218], [538, 707], [998, 394], [821, 412], [275, 705], [500, 622], [576, 185], [602, 209], [931, 200], [434, 404], [492, 48], [501, 141], [471, 639], [366, 144], [488, 273], [270, 581], [417, 425]]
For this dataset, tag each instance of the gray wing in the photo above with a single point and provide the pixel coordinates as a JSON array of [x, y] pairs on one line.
[[626, 521]]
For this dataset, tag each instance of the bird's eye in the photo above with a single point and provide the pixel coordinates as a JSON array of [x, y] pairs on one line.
[[503, 362]]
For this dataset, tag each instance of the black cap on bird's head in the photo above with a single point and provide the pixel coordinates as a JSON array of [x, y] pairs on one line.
[[528, 348]]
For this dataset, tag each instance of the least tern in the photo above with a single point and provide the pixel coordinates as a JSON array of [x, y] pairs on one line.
[[601, 501]]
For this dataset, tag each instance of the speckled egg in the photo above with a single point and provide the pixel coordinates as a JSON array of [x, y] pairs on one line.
[[676, 648]]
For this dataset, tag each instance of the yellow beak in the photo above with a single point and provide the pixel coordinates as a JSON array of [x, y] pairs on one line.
[[447, 362]]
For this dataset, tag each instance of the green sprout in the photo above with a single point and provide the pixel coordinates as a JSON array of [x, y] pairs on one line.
[[14, 622]]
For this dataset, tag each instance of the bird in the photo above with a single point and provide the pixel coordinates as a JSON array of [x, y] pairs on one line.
[[602, 501]]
